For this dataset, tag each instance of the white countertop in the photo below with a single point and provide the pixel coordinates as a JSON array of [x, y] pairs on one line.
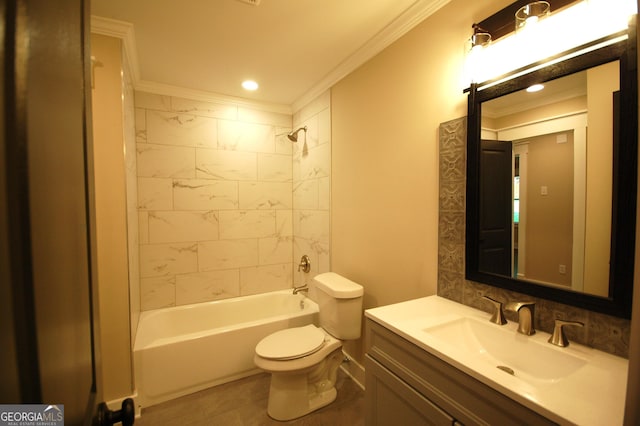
[[593, 394]]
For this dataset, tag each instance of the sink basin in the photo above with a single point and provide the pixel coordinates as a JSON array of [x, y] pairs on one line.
[[575, 385], [511, 352]]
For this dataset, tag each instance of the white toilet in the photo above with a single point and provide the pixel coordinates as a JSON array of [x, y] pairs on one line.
[[303, 361]]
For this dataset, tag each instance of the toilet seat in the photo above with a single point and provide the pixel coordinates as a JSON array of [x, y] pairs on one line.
[[291, 343]]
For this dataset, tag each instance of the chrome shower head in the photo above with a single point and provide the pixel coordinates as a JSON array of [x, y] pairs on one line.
[[293, 136]]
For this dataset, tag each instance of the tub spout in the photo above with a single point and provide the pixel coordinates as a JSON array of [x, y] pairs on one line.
[[297, 290]]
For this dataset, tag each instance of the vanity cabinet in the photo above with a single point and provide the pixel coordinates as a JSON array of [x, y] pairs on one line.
[[407, 385]]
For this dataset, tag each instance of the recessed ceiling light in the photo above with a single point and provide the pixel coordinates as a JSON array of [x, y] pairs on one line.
[[250, 85], [535, 88]]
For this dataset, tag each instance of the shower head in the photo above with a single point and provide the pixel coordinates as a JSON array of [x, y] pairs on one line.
[[293, 136]]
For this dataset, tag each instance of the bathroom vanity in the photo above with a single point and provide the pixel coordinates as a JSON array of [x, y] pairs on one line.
[[434, 361], [407, 385]]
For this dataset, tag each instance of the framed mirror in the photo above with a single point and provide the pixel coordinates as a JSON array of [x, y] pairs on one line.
[[551, 181]]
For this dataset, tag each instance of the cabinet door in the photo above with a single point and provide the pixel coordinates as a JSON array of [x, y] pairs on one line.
[[390, 401]]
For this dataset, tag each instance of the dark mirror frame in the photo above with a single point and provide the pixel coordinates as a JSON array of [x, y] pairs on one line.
[[624, 195]]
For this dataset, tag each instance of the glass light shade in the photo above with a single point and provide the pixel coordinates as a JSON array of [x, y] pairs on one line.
[[480, 40], [531, 13]]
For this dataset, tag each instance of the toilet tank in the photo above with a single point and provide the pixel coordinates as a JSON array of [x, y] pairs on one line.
[[340, 303]]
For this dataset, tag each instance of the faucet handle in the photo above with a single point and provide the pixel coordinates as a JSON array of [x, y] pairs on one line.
[[558, 337], [305, 264], [498, 315]]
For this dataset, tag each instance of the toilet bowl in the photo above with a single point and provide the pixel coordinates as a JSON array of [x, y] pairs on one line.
[[304, 383], [303, 361]]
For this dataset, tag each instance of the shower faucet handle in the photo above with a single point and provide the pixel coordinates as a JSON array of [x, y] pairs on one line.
[[305, 264]]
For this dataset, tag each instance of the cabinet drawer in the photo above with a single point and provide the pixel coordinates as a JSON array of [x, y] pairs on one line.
[[465, 398], [390, 401]]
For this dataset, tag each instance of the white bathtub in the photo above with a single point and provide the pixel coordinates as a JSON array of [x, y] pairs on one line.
[[185, 349]]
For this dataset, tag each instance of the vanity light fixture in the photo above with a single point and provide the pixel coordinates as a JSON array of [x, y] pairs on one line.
[[480, 38], [535, 88], [474, 48], [531, 13], [250, 85]]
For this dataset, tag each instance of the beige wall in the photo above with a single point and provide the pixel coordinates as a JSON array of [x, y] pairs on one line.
[[602, 81], [385, 118], [111, 215], [550, 217]]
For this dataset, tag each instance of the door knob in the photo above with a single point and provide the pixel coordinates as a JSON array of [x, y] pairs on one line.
[[106, 417]]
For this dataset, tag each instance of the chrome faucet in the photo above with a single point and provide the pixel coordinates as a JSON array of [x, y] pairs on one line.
[[525, 312], [498, 316], [558, 338], [297, 290]]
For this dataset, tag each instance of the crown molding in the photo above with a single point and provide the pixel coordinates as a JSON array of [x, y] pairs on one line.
[[124, 31], [412, 16]]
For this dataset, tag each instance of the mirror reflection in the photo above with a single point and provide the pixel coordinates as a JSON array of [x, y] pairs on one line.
[[546, 183]]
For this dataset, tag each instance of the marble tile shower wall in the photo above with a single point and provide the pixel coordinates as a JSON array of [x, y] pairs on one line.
[[215, 203], [603, 332], [312, 187]]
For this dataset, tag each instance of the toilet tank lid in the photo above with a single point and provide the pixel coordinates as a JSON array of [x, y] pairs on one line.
[[338, 286]]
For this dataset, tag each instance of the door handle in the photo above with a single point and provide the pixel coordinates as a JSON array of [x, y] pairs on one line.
[[106, 417]]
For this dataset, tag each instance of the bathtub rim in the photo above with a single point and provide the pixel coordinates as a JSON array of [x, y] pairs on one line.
[[311, 307]]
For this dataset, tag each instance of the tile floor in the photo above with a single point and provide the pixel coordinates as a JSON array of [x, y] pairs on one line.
[[244, 403]]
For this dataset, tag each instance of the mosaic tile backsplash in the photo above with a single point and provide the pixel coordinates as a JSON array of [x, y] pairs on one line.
[[603, 332]]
